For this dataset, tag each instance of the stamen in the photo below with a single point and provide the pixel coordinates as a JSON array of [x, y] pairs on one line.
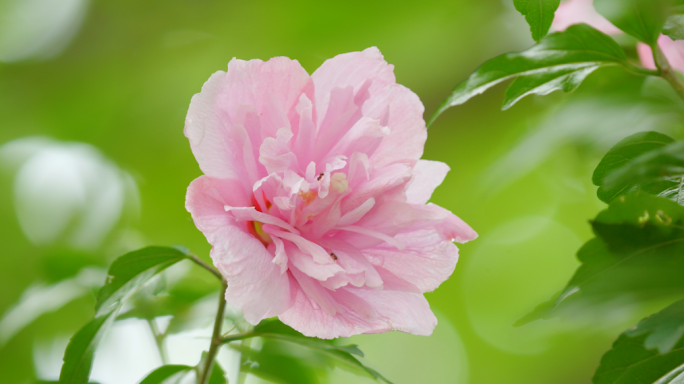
[[258, 232], [339, 182]]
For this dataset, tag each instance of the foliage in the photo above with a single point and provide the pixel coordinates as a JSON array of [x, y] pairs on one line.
[[643, 19], [652, 352], [623, 152], [539, 15], [343, 356], [636, 254], [127, 274], [561, 61]]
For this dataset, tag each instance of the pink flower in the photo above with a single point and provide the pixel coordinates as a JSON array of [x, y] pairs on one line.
[[673, 51], [582, 11], [314, 198]]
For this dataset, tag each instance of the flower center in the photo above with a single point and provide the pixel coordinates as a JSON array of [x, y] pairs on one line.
[[257, 231]]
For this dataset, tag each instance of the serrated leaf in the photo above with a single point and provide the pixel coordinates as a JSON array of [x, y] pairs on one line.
[[132, 271], [545, 83], [539, 15], [659, 171], [275, 330], [620, 156], [651, 353], [167, 374], [576, 49], [79, 354], [664, 329], [674, 27], [643, 19], [637, 254]]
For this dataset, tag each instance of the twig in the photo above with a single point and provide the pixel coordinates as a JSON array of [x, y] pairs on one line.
[[666, 71], [216, 339]]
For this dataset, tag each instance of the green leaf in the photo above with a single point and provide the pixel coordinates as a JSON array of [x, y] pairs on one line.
[[577, 49], [167, 374], [276, 363], [643, 19], [620, 156], [634, 358], [660, 171], [674, 27], [539, 15], [664, 329], [637, 254], [78, 357], [218, 375], [132, 271], [275, 330], [545, 83]]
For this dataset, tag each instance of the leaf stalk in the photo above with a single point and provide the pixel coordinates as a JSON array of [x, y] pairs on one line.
[[206, 266]]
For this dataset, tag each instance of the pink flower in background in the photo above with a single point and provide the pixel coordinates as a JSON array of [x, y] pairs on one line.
[[672, 49], [314, 198], [572, 12], [582, 11]]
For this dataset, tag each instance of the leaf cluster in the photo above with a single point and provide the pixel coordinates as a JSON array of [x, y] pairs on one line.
[[286, 355], [637, 255], [563, 60]]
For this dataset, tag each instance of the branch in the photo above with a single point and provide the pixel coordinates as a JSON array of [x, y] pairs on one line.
[[666, 71], [216, 339]]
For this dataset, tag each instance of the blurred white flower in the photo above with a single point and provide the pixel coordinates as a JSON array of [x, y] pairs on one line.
[[66, 192], [38, 29]]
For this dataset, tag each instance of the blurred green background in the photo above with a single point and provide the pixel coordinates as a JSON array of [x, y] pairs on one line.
[[118, 76]]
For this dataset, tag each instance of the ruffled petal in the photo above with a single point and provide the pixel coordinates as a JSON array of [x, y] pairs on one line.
[[365, 311], [398, 108], [426, 262], [241, 258], [270, 88], [364, 71]]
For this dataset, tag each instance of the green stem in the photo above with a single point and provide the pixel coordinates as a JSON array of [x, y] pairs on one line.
[[216, 339], [238, 336], [666, 71], [640, 70], [159, 339], [206, 266]]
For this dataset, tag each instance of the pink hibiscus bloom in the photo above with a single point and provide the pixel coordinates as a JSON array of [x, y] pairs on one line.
[[582, 11], [314, 198]]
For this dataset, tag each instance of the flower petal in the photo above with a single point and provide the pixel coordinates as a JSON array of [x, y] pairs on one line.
[[366, 311], [426, 262], [407, 127], [241, 259], [354, 69], [427, 175]]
